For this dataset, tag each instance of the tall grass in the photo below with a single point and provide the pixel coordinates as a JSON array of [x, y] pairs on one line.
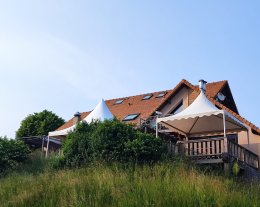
[[165, 184]]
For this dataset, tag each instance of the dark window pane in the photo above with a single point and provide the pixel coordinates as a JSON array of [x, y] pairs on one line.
[[147, 96], [131, 117]]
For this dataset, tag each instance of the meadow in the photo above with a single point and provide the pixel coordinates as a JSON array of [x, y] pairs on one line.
[[169, 183]]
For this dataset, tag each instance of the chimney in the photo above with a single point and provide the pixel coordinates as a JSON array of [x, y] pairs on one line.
[[202, 85], [76, 118]]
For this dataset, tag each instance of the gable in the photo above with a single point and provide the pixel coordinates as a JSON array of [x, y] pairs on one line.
[[229, 100]]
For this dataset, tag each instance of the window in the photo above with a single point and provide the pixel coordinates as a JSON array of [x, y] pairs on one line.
[[146, 97], [160, 95], [119, 101], [178, 108], [131, 117]]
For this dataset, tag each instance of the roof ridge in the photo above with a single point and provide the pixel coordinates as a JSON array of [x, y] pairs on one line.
[[167, 90], [215, 82]]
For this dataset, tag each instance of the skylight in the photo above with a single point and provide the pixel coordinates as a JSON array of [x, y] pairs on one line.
[[146, 97], [160, 95], [119, 101], [131, 117]]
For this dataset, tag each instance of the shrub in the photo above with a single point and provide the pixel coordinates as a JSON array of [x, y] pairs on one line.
[[110, 140], [145, 148], [77, 148], [12, 153]]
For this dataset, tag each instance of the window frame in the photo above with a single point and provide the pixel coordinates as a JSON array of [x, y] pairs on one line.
[[119, 101], [147, 97], [161, 94], [130, 119]]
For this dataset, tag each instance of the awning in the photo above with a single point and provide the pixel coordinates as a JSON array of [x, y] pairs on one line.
[[202, 117]]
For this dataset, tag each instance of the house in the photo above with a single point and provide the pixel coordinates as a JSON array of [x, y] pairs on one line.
[[240, 139], [142, 108]]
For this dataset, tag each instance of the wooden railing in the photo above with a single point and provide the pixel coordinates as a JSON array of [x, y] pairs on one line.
[[214, 148], [204, 148], [243, 155]]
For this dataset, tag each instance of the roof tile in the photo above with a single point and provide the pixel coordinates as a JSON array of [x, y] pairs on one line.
[[135, 104]]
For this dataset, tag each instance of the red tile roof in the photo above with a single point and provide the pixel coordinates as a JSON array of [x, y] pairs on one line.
[[146, 108], [70, 122]]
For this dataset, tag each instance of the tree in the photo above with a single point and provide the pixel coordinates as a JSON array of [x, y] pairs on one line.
[[12, 153], [38, 124]]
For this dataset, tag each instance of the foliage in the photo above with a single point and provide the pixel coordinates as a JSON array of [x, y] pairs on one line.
[[110, 140], [78, 148], [38, 124], [235, 168], [145, 148], [37, 163], [164, 184], [12, 153]]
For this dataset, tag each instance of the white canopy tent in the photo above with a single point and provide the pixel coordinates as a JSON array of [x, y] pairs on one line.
[[101, 112], [202, 117]]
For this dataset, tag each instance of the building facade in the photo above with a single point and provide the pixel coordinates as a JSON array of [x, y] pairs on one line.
[[143, 109]]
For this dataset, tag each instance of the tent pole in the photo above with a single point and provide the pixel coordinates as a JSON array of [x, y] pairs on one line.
[[47, 148], [224, 124]]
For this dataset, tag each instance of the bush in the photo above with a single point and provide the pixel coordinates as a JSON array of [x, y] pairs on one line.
[[145, 148], [12, 153], [78, 147], [110, 140]]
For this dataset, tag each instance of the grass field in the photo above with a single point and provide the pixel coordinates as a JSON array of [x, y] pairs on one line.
[[165, 184]]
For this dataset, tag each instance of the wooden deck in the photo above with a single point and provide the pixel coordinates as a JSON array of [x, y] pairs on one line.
[[216, 150]]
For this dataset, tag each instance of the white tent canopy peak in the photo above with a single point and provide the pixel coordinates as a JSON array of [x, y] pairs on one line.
[[101, 112]]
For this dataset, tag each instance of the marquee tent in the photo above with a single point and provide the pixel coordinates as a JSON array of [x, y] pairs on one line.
[[101, 112], [202, 117]]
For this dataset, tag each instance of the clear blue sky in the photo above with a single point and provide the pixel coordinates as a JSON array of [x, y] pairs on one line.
[[65, 56]]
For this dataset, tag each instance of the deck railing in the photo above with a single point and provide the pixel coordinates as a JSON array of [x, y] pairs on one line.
[[244, 155], [214, 148], [208, 149], [204, 148]]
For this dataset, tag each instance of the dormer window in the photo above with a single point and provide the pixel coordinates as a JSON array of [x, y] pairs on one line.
[[178, 108], [119, 101], [131, 117], [161, 94], [146, 97]]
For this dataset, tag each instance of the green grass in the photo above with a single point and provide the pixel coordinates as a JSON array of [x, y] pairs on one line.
[[165, 184]]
